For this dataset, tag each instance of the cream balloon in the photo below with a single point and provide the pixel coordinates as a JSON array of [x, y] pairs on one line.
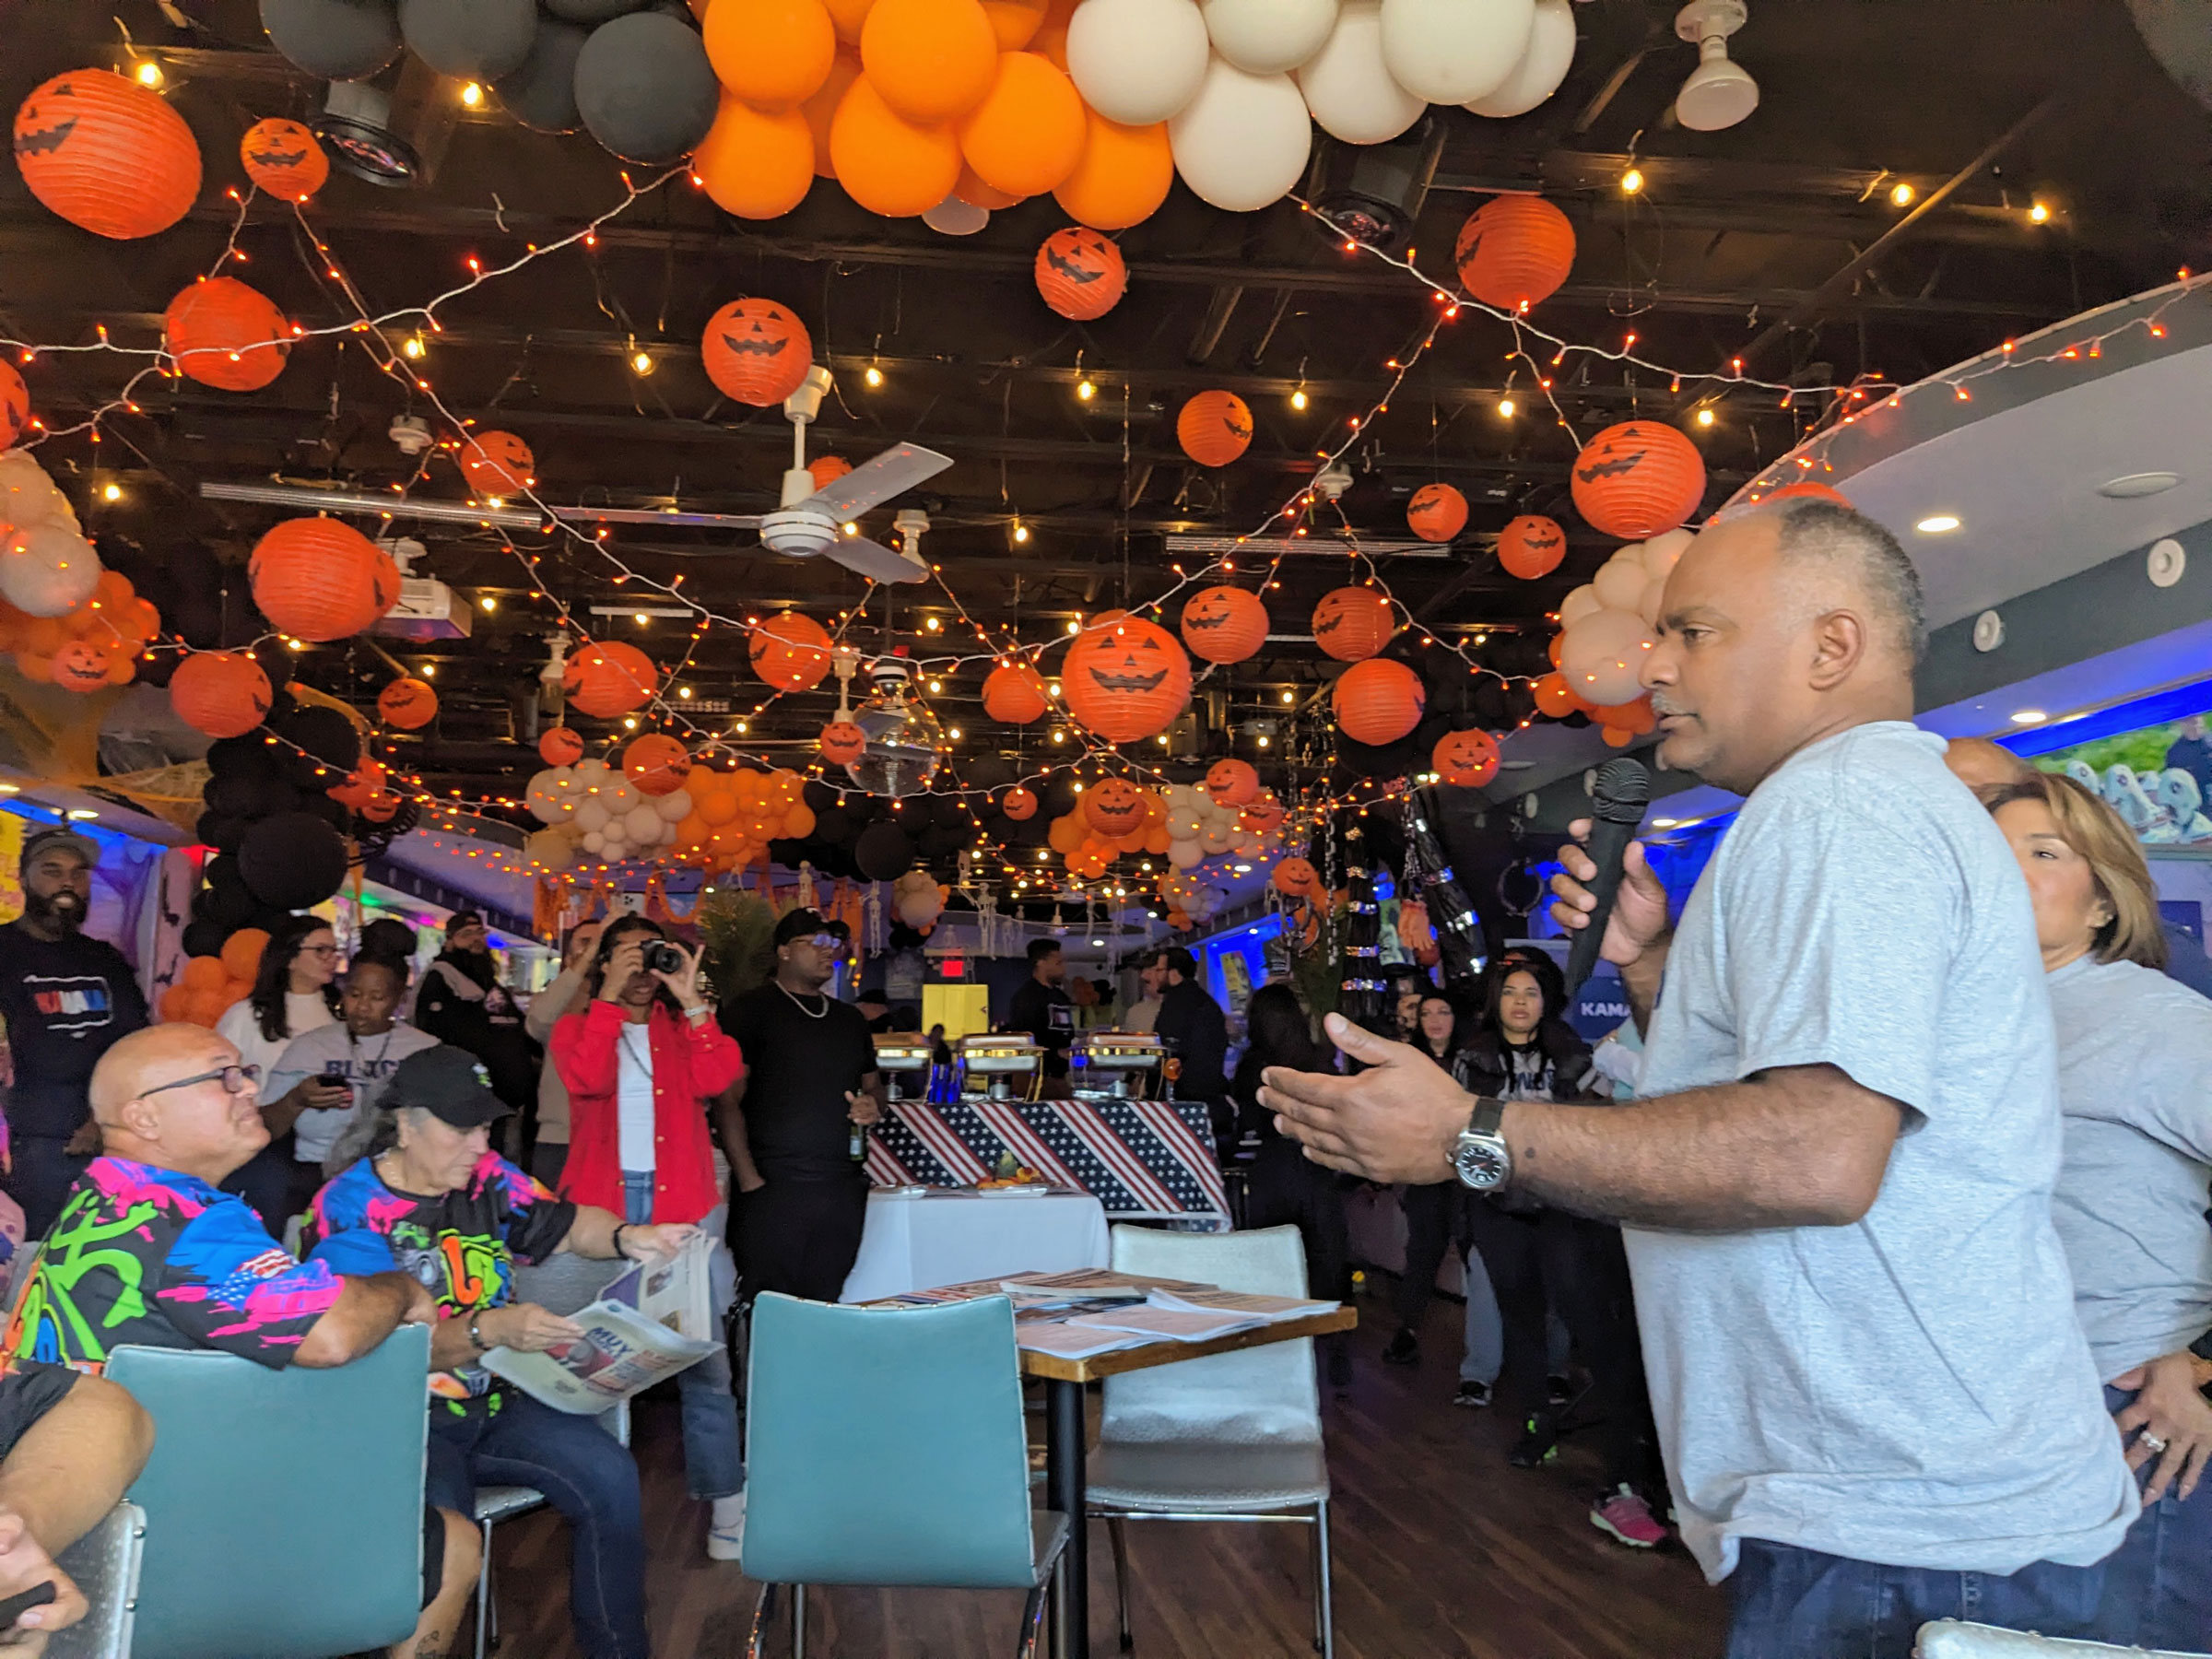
[[593, 841], [1267, 37], [47, 570], [1654, 596], [1185, 854], [1348, 87], [1619, 582], [28, 496], [1602, 657], [1454, 51], [551, 849], [1243, 142], [1664, 550], [1582, 602], [552, 795], [592, 817], [618, 794], [1137, 61], [1542, 68], [676, 805], [953, 217], [642, 823]]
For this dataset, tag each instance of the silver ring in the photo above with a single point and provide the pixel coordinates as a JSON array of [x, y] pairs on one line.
[[2151, 1443]]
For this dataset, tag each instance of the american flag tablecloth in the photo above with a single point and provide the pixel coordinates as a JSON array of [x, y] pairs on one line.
[[1152, 1158]]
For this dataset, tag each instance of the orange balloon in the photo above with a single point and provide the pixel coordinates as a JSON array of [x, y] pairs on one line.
[[773, 53], [1124, 174], [203, 973], [1554, 696], [888, 164], [932, 60], [1016, 22], [1051, 39], [757, 164], [1026, 135], [849, 16], [821, 109]]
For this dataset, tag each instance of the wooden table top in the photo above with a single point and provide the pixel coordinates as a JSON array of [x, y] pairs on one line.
[[1167, 1351]]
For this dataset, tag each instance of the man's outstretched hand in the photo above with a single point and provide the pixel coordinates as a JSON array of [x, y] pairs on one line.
[[1394, 1122]]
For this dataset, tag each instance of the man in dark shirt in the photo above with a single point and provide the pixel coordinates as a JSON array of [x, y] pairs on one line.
[[1042, 1009], [66, 998], [1192, 1026], [788, 1124], [461, 1002], [2192, 753]]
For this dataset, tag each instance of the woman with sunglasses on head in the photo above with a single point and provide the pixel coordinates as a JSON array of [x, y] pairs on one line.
[[2134, 1091], [293, 994], [642, 1063]]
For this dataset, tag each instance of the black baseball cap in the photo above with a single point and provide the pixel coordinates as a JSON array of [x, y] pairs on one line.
[[59, 835], [451, 1084], [461, 919], [806, 923]]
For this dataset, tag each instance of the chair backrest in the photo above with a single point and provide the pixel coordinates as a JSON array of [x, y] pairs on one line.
[[104, 1566], [284, 1509], [886, 1448], [1268, 1393]]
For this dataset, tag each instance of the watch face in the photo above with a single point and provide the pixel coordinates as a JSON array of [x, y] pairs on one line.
[[1482, 1164]]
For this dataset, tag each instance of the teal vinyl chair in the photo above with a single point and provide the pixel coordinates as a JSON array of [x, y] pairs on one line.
[[283, 1509], [887, 1448]]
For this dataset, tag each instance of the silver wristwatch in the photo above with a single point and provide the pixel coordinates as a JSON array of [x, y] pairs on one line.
[[1479, 1154]]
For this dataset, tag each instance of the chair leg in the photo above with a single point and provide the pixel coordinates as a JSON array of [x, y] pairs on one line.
[[764, 1609], [798, 1621], [1117, 1534], [484, 1595], [1324, 1611], [1032, 1619]]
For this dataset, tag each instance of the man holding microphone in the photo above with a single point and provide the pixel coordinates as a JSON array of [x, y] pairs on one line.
[[1877, 1406]]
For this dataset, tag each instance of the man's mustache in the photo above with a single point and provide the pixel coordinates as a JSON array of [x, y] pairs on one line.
[[1663, 704]]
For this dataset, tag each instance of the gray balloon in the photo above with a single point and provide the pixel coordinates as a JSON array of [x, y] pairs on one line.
[[542, 93], [333, 40], [645, 88], [470, 40], [592, 11]]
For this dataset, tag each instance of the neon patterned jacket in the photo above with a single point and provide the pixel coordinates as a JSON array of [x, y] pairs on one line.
[[160, 1258], [461, 1246]]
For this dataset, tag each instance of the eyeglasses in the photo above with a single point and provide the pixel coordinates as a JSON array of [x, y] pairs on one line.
[[321, 950], [234, 1078], [833, 943]]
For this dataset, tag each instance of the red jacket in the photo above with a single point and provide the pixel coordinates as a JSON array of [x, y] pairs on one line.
[[690, 1063]]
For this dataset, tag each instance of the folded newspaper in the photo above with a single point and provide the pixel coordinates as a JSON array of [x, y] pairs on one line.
[[651, 1323]]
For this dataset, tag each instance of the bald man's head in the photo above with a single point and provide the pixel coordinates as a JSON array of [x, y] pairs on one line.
[[149, 1112], [1980, 764]]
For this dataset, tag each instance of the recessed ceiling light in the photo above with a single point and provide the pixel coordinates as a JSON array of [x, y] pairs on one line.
[[2138, 484], [1662, 823], [1939, 524], [2028, 717], [82, 815]]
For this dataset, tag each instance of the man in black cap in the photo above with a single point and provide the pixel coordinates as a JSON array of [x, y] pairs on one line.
[[461, 1002], [66, 998], [791, 1126]]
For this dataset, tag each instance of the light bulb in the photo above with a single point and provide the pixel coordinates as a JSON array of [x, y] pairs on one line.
[[2038, 213], [488, 604], [1505, 407], [629, 723], [1632, 182], [954, 733], [1085, 390], [936, 688], [1297, 398], [412, 345], [640, 619], [1059, 737], [1704, 417], [472, 94], [1289, 697], [1901, 194], [683, 690], [849, 528], [873, 376], [641, 363], [149, 73], [430, 671], [113, 492], [1263, 740], [1021, 530], [1074, 628]]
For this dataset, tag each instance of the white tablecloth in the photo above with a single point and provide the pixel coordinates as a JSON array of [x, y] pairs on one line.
[[915, 1242]]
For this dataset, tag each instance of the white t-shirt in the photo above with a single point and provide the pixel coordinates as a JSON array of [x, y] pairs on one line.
[[331, 1051], [303, 1012], [634, 1098], [1912, 1389]]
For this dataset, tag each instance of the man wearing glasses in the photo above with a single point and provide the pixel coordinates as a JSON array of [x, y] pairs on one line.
[[793, 1123]]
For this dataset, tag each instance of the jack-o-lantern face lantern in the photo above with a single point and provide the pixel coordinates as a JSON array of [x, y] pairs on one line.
[[1437, 513], [361, 784], [1637, 479], [380, 807], [1213, 427], [1114, 808], [1224, 624], [80, 665], [1019, 803], [1530, 545], [560, 746], [15, 405], [407, 703], [755, 351], [1080, 273], [656, 763], [1231, 783], [284, 158], [107, 154], [1296, 878], [497, 463], [843, 743], [1468, 759], [1352, 623], [1126, 678]]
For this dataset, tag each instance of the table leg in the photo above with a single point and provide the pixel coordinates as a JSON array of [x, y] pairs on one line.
[[1064, 1490]]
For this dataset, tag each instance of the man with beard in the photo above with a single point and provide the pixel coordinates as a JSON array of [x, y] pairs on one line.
[[461, 1002], [66, 999]]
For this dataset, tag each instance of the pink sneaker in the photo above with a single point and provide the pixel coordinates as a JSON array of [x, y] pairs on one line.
[[1627, 1518]]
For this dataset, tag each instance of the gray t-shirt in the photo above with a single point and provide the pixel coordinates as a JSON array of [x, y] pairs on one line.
[[2134, 1081], [332, 1051], [1912, 1389]]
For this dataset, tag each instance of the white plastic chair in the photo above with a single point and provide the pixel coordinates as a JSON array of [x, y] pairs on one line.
[[1229, 1437], [1949, 1638]]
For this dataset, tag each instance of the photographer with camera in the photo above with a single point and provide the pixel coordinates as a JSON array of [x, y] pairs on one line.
[[640, 1062]]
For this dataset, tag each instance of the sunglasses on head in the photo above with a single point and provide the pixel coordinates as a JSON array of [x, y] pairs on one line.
[[234, 1080]]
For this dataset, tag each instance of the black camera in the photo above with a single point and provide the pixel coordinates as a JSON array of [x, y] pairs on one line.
[[660, 957]]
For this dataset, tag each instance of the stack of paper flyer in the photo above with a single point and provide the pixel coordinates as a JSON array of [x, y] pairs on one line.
[[1267, 1309], [649, 1324], [1092, 1282], [1154, 1324]]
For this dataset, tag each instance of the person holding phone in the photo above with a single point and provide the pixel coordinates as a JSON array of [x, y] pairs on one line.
[[640, 1062], [293, 994], [349, 1066]]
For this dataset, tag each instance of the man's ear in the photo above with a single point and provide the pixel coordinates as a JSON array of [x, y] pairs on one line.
[[1839, 646]]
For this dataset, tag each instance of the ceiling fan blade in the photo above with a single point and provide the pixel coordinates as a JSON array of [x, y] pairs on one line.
[[902, 466], [652, 515], [875, 561]]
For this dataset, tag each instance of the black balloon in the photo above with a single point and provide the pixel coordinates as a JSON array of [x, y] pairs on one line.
[[221, 831], [988, 772], [819, 797], [246, 757], [331, 812], [325, 734], [541, 93], [470, 40], [1058, 796], [292, 860], [833, 827], [644, 88], [229, 903], [592, 11], [884, 852], [231, 797], [272, 796], [203, 938], [333, 39]]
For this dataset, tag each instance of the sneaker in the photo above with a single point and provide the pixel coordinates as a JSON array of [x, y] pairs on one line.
[[1539, 1441], [1404, 1349], [1559, 1390], [725, 1533], [1472, 1395], [1627, 1518]]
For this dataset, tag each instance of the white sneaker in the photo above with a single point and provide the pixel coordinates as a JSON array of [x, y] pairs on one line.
[[725, 1533]]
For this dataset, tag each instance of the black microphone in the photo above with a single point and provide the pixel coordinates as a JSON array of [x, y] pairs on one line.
[[1622, 790]]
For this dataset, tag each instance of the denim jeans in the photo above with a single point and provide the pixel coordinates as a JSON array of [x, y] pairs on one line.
[[1799, 1604], [2158, 1585], [585, 1474], [714, 1458]]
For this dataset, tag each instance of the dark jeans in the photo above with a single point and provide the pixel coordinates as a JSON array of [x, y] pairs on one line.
[[2158, 1585], [1799, 1604], [585, 1474], [1286, 1188], [798, 1236], [40, 1180], [1432, 1216]]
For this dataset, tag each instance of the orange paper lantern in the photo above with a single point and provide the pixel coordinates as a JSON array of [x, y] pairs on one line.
[[773, 53], [409, 703], [1019, 803], [560, 746], [790, 652], [842, 743], [1122, 175], [657, 764], [887, 163], [1126, 678], [222, 693], [284, 158], [1514, 252], [366, 780], [1014, 692], [107, 154], [1224, 624], [225, 335], [1114, 806], [1353, 623], [1377, 701], [930, 60], [321, 578], [15, 405], [607, 678], [755, 351], [1532, 546], [1296, 877], [497, 463], [1027, 136], [1810, 492], [1437, 513], [826, 470], [1231, 783], [1080, 273], [756, 164], [1637, 479], [1213, 428], [1466, 760]]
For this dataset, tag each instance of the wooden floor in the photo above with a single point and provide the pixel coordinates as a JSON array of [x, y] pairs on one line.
[[1441, 1549]]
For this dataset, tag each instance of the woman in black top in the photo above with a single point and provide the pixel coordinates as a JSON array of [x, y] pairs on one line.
[[1434, 1212]]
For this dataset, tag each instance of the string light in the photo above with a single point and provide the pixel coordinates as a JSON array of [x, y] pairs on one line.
[[642, 364], [1297, 398], [1506, 406], [1705, 416], [1901, 194], [1632, 182], [472, 94], [112, 492], [2038, 213], [873, 376], [1085, 390]]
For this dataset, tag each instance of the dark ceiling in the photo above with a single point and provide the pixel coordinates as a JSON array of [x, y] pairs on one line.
[[1772, 239]]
